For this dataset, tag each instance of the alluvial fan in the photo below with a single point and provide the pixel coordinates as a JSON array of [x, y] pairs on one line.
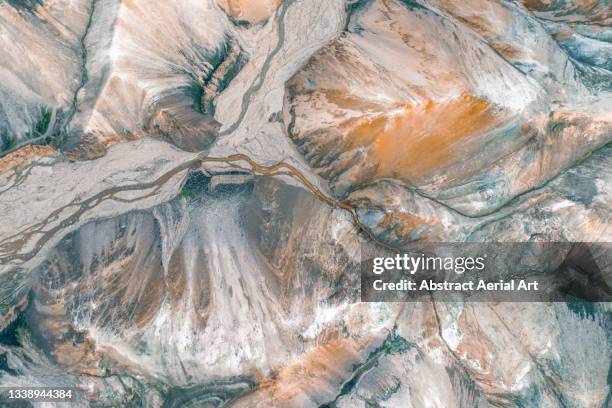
[[190, 191]]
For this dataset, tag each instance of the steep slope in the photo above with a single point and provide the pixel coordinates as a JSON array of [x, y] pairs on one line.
[[41, 65], [455, 103]]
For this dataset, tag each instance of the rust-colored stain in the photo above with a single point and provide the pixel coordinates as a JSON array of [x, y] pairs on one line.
[[536, 4], [346, 100], [316, 371], [507, 51], [411, 141], [403, 223], [24, 156]]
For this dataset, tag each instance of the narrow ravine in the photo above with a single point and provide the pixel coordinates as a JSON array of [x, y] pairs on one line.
[[84, 76], [59, 129]]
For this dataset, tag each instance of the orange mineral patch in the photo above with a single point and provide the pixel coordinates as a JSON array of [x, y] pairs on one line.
[[412, 141], [24, 156], [252, 11], [404, 222], [537, 4], [318, 371]]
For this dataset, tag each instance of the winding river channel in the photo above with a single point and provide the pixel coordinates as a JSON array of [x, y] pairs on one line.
[[11, 246]]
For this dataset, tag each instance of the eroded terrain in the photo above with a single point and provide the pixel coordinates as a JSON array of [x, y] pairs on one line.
[[187, 189]]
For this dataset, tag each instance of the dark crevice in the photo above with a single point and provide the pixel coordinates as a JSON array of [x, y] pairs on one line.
[[393, 344], [61, 131]]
